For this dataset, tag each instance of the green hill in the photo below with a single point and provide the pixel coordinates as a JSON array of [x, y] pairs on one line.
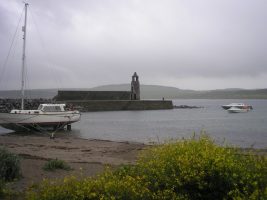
[[158, 92], [148, 91], [31, 94]]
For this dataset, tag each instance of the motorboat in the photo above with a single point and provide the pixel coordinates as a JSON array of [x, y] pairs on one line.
[[237, 105], [234, 109], [47, 115]]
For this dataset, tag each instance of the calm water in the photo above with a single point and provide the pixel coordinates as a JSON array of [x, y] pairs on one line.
[[241, 129]]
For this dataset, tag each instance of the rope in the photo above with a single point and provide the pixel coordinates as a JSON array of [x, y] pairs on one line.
[[10, 48], [43, 130], [35, 126], [46, 53]]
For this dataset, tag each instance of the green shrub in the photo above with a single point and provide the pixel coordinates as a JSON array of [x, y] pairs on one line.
[[9, 165], [188, 169], [2, 188], [54, 164], [199, 169], [6, 193]]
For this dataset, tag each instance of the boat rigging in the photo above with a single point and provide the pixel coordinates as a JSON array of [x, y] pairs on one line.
[[46, 116]]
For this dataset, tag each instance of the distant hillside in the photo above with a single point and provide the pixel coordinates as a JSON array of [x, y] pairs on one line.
[[31, 94], [231, 94], [152, 92], [148, 91], [157, 92]]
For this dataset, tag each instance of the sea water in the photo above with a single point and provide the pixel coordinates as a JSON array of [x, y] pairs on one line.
[[239, 129]]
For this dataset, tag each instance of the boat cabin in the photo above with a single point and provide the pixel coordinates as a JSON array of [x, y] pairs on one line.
[[43, 108]]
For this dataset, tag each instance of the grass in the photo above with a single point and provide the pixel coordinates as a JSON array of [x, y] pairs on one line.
[[54, 164], [9, 171], [9, 165], [187, 169]]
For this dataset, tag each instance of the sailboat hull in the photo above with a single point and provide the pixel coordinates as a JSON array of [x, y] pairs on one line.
[[37, 121]]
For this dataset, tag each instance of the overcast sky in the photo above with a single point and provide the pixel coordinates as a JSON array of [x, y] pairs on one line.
[[189, 44]]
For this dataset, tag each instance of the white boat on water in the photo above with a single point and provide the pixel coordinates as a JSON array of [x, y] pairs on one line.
[[46, 116], [237, 105], [237, 110]]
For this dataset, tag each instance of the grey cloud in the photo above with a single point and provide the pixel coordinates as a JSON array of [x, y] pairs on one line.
[[160, 39]]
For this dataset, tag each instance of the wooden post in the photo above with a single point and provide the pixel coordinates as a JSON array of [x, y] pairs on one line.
[[69, 127]]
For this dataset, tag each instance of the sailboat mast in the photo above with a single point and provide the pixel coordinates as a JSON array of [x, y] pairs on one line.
[[23, 58]]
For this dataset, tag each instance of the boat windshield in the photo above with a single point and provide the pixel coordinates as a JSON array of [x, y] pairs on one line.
[[50, 108], [40, 107]]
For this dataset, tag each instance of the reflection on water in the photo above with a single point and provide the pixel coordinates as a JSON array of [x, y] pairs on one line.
[[242, 129]]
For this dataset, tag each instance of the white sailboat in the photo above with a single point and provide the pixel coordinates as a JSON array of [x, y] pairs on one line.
[[47, 115]]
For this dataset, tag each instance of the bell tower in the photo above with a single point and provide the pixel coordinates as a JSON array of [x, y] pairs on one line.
[[135, 87]]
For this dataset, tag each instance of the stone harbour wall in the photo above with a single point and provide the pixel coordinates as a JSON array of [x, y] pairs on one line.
[[113, 105], [92, 95]]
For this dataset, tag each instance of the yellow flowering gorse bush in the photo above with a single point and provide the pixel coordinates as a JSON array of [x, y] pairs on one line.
[[187, 169]]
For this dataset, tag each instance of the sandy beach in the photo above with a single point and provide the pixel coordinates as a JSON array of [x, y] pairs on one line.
[[85, 156]]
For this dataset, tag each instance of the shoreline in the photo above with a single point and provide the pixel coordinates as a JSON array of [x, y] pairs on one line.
[[86, 157]]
